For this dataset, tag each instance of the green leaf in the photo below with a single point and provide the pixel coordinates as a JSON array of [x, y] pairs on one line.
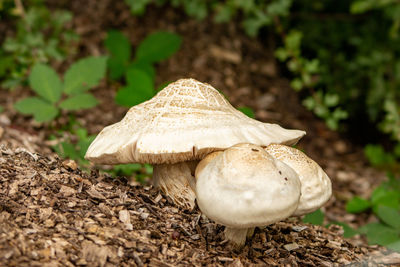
[[84, 74], [120, 49], [1, 108], [40, 109], [357, 205], [143, 66], [6, 63], [84, 144], [389, 215], [69, 151], [394, 246], [331, 100], [224, 13], [137, 6], [118, 45], [158, 46], [360, 6], [316, 217], [252, 25], [80, 101], [380, 234], [348, 231], [140, 88], [396, 150], [196, 8], [384, 197], [45, 82], [377, 155], [116, 68], [296, 84], [249, 112]]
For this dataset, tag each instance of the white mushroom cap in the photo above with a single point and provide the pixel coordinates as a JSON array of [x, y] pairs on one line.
[[245, 187], [184, 121], [316, 187]]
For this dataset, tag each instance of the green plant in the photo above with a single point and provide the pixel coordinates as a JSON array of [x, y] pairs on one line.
[[254, 14], [78, 79], [324, 105], [249, 112], [72, 142], [74, 145], [316, 217], [385, 204], [139, 72], [41, 36], [382, 159], [342, 56], [1, 108], [139, 171], [356, 44]]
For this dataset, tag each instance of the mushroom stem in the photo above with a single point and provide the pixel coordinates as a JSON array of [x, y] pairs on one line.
[[177, 181], [236, 236]]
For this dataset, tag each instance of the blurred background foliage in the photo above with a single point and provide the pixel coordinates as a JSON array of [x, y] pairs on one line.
[[40, 36], [342, 57]]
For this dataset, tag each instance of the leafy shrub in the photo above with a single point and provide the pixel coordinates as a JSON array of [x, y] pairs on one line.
[[357, 56], [256, 14], [378, 157], [139, 72], [78, 79], [40, 36], [385, 204], [343, 56]]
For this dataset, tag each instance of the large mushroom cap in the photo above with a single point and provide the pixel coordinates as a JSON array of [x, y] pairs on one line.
[[245, 187], [316, 187], [184, 121]]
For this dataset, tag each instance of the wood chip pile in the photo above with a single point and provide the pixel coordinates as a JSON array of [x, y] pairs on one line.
[[53, 214]]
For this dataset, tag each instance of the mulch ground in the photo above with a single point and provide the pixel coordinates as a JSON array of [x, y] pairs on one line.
[[52, 214]]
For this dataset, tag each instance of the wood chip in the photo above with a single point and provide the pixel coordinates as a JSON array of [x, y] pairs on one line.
[[291, 246]]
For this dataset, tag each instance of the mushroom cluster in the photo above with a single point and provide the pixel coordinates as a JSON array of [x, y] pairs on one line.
[[242, 172]]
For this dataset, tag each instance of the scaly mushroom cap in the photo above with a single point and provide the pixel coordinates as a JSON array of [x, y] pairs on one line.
[[184, 121], [316, 187], [245, 187]]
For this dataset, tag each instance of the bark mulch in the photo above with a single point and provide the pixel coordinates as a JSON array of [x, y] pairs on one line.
[[53, 214]]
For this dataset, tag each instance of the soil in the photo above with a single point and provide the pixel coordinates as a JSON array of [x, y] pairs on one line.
[[53, 214]]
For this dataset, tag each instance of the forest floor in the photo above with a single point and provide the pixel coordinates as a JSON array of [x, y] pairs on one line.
[[54, 214]]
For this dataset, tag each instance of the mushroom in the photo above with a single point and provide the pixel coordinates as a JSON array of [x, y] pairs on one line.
[[244, 187], [175, 129], [316, 187]]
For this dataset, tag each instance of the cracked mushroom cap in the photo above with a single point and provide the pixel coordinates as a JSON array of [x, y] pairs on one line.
[[185, 121], [245, 187], [316, 187]]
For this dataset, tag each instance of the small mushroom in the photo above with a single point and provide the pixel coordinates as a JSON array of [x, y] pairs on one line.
[[183, 123], [244, 187], [316, 187]]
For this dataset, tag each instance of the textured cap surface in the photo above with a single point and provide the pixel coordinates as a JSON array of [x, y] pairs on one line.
[[184, 121], [246, 187], [316, 187]]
